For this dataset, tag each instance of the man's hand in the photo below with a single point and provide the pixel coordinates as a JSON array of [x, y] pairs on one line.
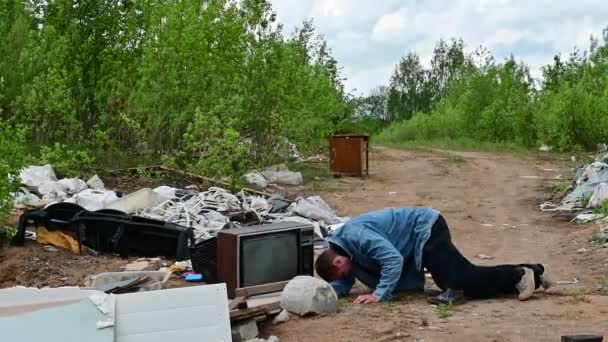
[[366, 299]]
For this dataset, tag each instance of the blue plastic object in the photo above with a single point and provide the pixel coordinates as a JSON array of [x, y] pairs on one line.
[[194, 278]]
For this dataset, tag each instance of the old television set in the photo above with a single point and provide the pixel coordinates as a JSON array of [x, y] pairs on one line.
[[264, 254]]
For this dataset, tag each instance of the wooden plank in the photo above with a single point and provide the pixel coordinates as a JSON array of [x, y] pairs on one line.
[[239, 315], [239, 302], [260, 289]]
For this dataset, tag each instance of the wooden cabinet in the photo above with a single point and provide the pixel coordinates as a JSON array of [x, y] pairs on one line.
[[349, 155]]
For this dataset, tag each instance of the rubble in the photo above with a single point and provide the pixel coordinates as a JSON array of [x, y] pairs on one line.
[[270, 339], [589, 191], [96, 183], [308, 295], [282, 317], [244, 331]]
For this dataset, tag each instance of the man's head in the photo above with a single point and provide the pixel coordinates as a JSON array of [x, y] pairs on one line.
[[332, 266]]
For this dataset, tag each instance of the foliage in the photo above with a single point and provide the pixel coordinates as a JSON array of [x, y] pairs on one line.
[[68, 161], [480, 99], [211, 82], [12, 159]]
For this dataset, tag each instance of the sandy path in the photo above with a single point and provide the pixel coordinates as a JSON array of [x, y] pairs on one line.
[[491, 207]]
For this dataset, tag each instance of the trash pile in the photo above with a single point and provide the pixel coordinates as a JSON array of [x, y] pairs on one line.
[[588, 193], [207, 212]]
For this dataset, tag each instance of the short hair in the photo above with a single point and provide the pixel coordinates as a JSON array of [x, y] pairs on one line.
[[324, 265]]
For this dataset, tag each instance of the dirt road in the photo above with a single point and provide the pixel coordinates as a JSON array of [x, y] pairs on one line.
[[491, 204]]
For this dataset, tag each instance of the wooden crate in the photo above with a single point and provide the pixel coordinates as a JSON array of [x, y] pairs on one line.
[[349, 155]]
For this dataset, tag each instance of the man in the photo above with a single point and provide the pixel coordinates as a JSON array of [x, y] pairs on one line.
[[388, 249]]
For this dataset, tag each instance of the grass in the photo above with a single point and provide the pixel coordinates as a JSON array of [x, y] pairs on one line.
[[454, 159], [311, 171], [585, 200], [460, 144], [596, 238], [559, 188], [446, 310]]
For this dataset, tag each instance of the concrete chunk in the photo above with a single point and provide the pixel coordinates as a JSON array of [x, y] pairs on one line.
[[308, 295], [244, 331], [281, 317]]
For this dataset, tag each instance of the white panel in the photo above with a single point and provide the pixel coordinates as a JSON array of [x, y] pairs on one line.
[[192, 313]]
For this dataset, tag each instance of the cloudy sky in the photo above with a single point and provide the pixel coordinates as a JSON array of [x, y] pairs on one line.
[[369, 36]]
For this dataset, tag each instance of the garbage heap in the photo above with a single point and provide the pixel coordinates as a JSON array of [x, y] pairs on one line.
[[207, 212], [588, 193]]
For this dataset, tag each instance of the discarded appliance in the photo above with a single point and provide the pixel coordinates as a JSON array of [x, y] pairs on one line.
[[184, 314], [349, 155], [257, 255], [74, 315], [204, 259], [111, 231]]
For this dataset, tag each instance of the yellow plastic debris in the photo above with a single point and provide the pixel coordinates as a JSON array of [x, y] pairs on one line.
[[59, 239]]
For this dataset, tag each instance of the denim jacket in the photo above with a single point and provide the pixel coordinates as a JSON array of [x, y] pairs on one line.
[[386, 249]]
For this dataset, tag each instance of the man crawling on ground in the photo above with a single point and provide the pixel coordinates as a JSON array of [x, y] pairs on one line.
[[388, 250]]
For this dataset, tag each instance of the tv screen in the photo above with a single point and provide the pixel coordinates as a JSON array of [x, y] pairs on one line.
[[269, 258]]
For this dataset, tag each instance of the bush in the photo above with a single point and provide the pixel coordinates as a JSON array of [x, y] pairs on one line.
[[68, 161], [13, 157]]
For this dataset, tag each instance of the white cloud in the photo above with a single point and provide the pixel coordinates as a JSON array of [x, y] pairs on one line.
[[389, 27], [368, 37]]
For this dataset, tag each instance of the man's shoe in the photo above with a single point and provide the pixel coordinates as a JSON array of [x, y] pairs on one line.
[[526, 284], [449, 296], [547, 279]]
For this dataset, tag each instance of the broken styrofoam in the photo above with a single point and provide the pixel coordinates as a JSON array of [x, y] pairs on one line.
[[96, 183], [309, 295], [33, 175]]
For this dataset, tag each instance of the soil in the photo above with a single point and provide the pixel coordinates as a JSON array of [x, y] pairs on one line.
[[492, 210]]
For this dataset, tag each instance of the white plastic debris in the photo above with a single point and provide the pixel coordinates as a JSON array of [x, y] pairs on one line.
[[166, 192], [51, 188], [255, 180], [33, 175], [24, 196], [317, 209], [545, 148], [106, 305], [309, 295], [141, 199], [484, 256], [93, 200], [586, 217], [283, 177], [73, 185], [600, 195], [96, 183]]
